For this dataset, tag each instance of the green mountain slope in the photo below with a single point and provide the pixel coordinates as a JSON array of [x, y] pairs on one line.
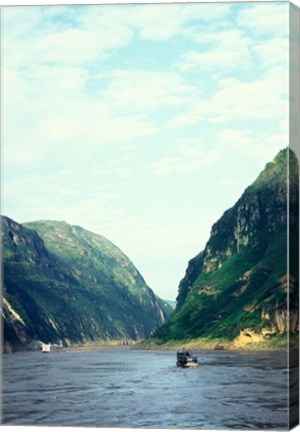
[[237, 288], [64, 283]]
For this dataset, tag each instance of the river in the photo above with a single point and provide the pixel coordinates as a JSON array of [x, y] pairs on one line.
[[144, 389]]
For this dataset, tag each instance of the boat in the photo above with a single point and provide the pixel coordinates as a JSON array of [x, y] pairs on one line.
[[47, 348], [185, 359]]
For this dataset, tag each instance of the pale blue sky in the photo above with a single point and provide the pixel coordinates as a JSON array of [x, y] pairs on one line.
[[142, 123]]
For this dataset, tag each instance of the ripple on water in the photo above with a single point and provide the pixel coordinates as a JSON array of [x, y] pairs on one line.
[[145, 389]]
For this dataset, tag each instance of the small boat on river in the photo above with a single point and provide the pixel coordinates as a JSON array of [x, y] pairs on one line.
[[48, 348], [185, 359]]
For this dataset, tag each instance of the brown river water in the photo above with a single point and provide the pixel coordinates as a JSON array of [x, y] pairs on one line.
[[144, 389]]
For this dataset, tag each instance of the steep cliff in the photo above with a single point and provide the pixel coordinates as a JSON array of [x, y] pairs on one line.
[[64, 283], [242, 284]]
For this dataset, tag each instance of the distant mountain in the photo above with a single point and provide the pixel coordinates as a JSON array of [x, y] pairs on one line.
[[64, 283], [236, 289], [172, 303]]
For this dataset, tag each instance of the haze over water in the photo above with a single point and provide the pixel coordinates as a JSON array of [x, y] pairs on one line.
[[124, 388]]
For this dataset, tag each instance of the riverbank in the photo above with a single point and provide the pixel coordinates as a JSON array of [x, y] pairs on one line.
[[276, 343], [98, 348], [98, 345]]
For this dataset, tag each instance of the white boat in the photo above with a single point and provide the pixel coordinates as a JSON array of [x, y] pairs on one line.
[[48, 348]]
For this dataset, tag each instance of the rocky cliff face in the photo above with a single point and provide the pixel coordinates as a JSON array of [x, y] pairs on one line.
[[64, 283], [262, 210], [242, 279]]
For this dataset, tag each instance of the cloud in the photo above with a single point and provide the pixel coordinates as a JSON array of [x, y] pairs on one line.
[[272, 52], [194, 155], [70, 47], [164, 21], [234, 50], [190, 155], [77, 35], [260, 99], [259, 146], [67, 195], [229, 182], [225, 49], [59, 121], [66, 107], [237, 100], [52, 39], [19, 21], [265, 19], [139, 90], [67, 110]]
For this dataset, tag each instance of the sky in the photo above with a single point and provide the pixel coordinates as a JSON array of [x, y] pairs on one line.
[[142, 123]]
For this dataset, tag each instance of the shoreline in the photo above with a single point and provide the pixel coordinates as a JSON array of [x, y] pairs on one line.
[[199, 344], [35, 346], [203, 344], [201, 348], [140, 346], [97, 348], [120, 348]]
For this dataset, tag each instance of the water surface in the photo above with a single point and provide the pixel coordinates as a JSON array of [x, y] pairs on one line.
[[124, 388]]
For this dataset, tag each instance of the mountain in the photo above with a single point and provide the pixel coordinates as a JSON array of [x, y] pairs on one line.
[[235, 291], [172, 303], [63, 283]]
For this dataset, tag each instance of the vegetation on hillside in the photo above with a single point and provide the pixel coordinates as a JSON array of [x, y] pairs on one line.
[[64, 283], [240, 281]]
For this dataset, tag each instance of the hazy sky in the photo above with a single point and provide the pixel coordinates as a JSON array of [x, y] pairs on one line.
[[142, 123]]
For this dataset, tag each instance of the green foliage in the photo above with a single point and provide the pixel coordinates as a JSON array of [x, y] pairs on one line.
[[193, 271], [68, 283], [238, 281]]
